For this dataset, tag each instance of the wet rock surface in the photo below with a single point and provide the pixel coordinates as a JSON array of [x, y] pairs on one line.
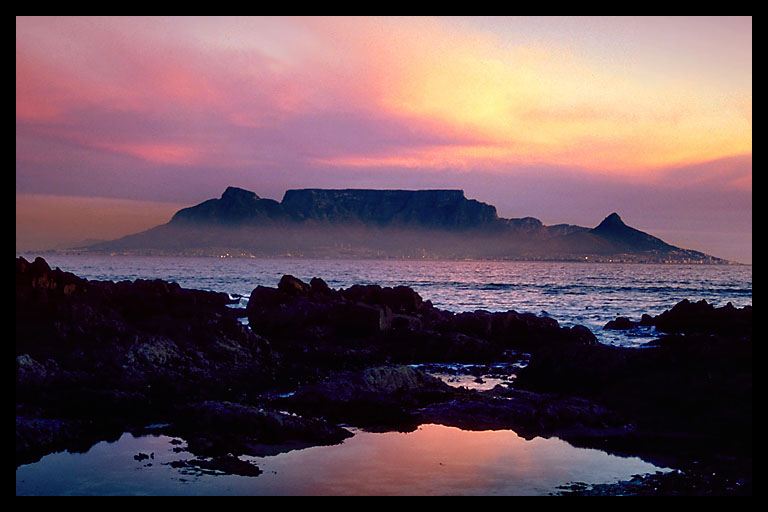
[[367, 325], [220, 465], [96, 359]]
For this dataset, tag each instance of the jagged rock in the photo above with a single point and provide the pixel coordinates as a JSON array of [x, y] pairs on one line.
[[96, 359], [688, 393], [702, 317], [694, 317], [528, 414], [620, 324], [293, 286], [223, 464], [372, 397], [215, 428], [102, 353], [393, 324]]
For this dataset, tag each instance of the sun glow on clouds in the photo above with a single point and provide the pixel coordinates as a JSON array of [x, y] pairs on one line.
[[239, 86], [164, 154], [539, 116], [550, 105]]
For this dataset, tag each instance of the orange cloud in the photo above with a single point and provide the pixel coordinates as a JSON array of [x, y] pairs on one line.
[[500, 104], [159, 153], [539, 104]]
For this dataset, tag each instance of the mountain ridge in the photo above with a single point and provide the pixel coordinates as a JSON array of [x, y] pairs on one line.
[[387, 223]]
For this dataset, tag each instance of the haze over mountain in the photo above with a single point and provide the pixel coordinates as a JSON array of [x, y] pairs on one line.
[[440, 224]]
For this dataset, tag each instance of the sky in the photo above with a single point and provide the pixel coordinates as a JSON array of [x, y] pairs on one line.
[[121, 121]]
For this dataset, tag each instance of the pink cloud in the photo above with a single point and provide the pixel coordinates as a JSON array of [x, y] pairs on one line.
[[450, 95], [160, 106]]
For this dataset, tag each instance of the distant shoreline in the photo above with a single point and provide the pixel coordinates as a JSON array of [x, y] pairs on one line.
[[241, 255]]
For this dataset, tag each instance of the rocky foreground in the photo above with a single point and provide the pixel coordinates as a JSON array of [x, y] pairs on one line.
[[96, 359]]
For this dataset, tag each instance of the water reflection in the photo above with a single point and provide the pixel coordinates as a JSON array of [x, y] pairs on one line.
[[433, 460]]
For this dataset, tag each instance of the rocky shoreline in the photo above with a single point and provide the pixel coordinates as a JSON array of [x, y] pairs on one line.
[[95, 359]]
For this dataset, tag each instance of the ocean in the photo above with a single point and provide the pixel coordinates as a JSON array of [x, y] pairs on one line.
[[589, 294], [433, 460]]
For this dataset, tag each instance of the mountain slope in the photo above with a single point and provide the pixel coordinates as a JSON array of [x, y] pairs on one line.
[[386, 224]]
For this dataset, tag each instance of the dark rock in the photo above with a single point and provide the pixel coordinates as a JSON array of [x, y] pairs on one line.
[[320, 287], [37, 436], [220, 465], [698, 481], [371, 397], [687, 395], [579, 334], [402, 299], [694, 318], [215, 428], [405, 323], [96, 359], [702, 317], [293, 286], [621, 323], [383, 324], [360, 319], [528, 414], [94, 355]]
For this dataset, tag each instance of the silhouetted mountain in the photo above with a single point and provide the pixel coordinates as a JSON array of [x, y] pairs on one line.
[[383, 224], [236, 206], [442, 209], [614, 229]]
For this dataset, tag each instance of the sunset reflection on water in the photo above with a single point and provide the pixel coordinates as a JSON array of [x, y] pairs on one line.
[[432, 460], [440, 460]]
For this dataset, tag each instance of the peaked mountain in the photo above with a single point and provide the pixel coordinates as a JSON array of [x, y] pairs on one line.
[[439, 224], [613, 228], [236, 206]]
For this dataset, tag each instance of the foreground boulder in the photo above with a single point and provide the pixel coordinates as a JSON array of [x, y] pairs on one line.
[[129, 336], [687, 393], [95, 359], [216, 428], [369, 325], [694, 318], [374, 397]]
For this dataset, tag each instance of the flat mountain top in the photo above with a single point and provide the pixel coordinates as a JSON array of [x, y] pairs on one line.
[[382, 223]]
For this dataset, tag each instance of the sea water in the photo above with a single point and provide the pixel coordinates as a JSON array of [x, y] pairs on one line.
[[590, 294], [434, 459]]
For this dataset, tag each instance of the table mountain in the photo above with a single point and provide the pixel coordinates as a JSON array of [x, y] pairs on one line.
[[365, 223]]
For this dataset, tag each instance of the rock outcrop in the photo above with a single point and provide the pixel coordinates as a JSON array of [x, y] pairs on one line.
[[687, 392], [96, 359], [373, 324], [688, 317], [93, 356]]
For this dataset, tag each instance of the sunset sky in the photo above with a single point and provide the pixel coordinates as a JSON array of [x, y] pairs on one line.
[[122, 121]]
